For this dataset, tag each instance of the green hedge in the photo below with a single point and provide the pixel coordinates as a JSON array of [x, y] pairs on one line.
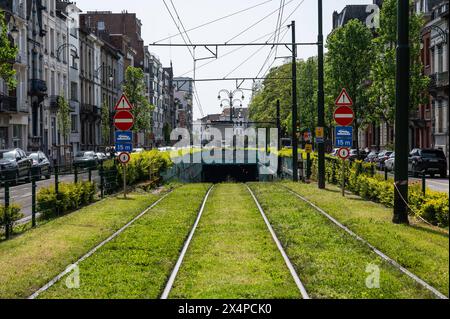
[[13, 213], [72, 196], [361, 179], [139, 168]]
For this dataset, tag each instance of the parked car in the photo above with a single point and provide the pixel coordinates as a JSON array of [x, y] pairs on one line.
[[381, 158], [427, 161], [390, 162], [370, 158], [354, 155], [334, 152], [15, 165], [101, 157], [41, 162], [85, 160], [138, 150]]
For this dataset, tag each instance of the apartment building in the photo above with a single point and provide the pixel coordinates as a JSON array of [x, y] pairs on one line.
[[183, 100], [14, 102]]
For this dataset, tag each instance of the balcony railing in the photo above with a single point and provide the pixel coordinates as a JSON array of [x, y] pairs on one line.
[[8, 103], [54, 101], [439, 80], [86, 109], [37, 87]]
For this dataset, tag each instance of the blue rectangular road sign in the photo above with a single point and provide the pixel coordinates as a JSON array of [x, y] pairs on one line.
[[124, 147], [124, 137], [344, 136]]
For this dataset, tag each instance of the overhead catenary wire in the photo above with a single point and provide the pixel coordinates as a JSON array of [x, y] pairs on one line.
[[256, 23], [230, 52], [215, 20], [195, 93]]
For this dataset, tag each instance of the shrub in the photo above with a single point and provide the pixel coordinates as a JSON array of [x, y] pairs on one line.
[[71, 196], [361, 178], [140, 167], [13, 213]]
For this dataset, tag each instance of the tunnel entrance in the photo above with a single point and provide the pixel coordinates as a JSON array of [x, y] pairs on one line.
[[218, 173]]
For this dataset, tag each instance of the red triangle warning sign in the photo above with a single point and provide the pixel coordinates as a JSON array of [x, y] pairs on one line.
[[123, 104], [344, 99]]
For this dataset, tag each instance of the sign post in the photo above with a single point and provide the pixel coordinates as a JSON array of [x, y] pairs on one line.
[[343, 153], [124, 122], [344, 117]]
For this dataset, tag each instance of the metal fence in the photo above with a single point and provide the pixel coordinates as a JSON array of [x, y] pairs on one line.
[[18, 201]]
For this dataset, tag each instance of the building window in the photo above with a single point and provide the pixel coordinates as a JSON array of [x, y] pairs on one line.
[[440, 119], [440, 60], [17, 136], [74, 91], [101, 26], [74, 123]]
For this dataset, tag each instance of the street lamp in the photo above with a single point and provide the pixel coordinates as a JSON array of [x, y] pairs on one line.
[[231, 100], [14, 32], [111, 77]]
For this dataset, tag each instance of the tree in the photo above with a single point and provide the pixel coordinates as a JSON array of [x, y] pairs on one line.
[[382, 90], [106, 125], [8, 53], [262, 106], [134, 88], [63, 116], [349, 62]]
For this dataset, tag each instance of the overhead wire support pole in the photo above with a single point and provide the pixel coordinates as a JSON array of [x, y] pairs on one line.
[[320, 99], [294, 108], [401, 115]]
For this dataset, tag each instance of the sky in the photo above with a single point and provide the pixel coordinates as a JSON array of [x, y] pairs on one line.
[[158, 24]]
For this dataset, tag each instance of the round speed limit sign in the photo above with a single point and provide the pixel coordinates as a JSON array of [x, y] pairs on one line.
[[344, 153], [124, 158]]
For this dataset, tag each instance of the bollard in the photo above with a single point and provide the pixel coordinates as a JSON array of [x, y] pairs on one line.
[[90, 174], [57, 189], [424, 184], [33, 197], [75, 173], [102, 181], [385, 173], [308, 166], [7, 221]]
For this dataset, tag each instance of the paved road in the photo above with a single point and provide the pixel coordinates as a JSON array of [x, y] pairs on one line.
[[436, 184], [21, 194]]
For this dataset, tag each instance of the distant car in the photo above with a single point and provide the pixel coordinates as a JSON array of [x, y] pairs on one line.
[[15, 165], [42, 163], [370, 158], [390, 162], [381, 158], [138, 150], [427, 161], [354, 155], [334, 152], [101, 157], [85, 160]]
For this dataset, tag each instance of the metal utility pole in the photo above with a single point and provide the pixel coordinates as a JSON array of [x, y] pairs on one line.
[[401, 114], [321, 101], [279, 139], [294, 108]]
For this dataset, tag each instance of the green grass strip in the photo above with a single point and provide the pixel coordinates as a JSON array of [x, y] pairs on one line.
[[330, 262], [232, 254], [137, 263], [419, 248], [29, 261]]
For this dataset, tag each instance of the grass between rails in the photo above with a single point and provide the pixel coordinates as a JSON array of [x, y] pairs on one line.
[[419, 248], [29, 261], [137, 263], [232, 254], [331, 263]]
